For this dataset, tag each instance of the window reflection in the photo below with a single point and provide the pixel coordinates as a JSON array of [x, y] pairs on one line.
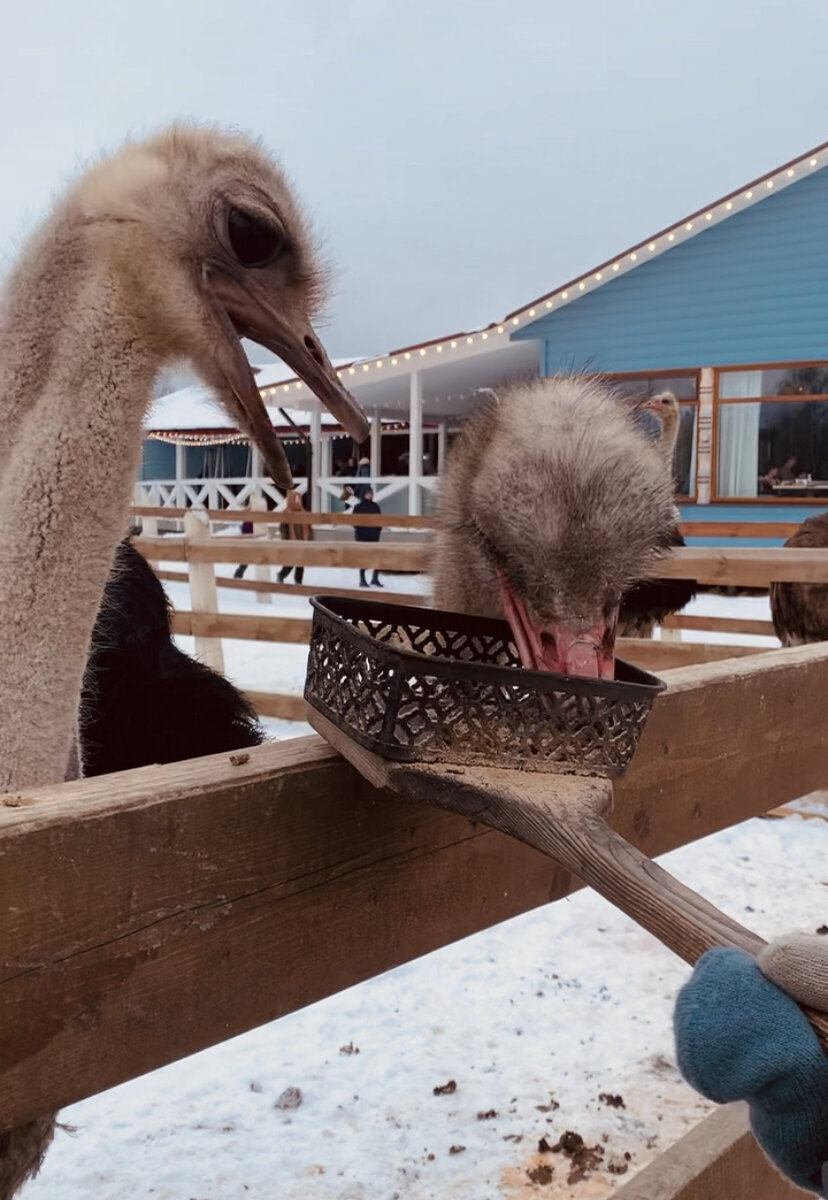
[[810, 379], [773, 448]]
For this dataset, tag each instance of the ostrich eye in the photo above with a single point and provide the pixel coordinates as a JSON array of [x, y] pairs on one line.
[[254, 243]]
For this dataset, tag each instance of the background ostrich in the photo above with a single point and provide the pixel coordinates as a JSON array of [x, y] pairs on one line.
[[553, 504], [143, 700], [649, 601], [169, 250], [800, 610], [665, 408]]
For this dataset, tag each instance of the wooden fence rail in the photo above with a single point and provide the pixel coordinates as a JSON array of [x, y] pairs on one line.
[[691, 528], [753, 566], [177, 906]]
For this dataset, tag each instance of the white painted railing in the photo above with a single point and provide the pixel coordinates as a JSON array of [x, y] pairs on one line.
[[391, 492]]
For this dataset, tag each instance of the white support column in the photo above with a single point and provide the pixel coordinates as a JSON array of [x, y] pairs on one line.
[[255, 468], [325, 470], [203, 594], [376, 446], [316, 459], [442, 446], [415, 443], [180, 473], [704, 437]]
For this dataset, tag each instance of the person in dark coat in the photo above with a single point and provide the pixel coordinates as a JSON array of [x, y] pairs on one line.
[[367, 533]]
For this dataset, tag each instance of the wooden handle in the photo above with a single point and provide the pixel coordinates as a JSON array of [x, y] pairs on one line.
[[563, 817]]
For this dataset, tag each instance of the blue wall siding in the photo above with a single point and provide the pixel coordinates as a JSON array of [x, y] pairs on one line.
[[753, 288]]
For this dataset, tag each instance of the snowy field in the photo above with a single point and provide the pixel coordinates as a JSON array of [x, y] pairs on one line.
[[453, 1076]]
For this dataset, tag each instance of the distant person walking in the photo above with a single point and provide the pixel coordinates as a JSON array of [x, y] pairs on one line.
[[292, 531], [367, 533], [247, 529]]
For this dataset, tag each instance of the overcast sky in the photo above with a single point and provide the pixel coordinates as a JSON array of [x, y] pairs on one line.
[[460, 157]]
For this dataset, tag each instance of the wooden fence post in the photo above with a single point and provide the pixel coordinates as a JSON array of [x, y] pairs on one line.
[[203, 594]]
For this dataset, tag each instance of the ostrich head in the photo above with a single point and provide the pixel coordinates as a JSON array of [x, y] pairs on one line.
[[202, 231], [665, 407], [553, 504]]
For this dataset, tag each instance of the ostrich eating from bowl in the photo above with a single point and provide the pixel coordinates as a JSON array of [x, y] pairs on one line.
[[553, 506]]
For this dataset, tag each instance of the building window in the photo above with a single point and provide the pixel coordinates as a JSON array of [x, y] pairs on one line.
[[157, 460], [772, 432], [685, 387]]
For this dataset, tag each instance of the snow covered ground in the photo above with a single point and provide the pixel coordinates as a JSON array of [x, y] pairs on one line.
[[443, 1077]]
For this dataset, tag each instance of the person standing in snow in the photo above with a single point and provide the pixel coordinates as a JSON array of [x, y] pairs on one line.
[[367, 533], [293, 531]]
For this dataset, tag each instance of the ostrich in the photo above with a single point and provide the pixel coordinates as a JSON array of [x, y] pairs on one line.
[[800, 610], [553, 504], [649, 601], [171, 249], [143, 700], [665, 407]]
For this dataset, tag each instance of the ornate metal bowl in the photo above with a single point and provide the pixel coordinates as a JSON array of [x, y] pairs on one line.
[[419, 684]]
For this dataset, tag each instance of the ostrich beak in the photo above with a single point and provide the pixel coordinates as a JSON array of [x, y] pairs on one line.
[[555, 646], [253, 315]]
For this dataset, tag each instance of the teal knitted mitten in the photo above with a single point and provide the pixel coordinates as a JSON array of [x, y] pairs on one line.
[[740, 1037]]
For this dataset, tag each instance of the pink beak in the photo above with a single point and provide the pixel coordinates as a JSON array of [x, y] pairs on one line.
[[555, 646]]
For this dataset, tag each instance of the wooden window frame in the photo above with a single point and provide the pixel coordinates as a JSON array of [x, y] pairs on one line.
[[783, 501]]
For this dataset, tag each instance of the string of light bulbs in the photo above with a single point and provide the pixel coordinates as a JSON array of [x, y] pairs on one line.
[[571, 291]]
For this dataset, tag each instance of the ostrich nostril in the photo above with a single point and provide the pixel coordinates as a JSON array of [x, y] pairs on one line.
[[315, 352]]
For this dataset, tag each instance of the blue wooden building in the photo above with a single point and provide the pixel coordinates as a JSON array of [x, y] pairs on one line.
[[729, 309]]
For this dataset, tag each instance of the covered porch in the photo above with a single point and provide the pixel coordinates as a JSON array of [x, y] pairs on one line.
[[415, 399]]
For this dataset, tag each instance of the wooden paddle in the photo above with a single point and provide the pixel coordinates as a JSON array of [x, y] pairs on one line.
[[564, 816]]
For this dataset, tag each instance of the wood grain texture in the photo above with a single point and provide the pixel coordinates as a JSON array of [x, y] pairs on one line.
[[146, 915], [718, 1160]]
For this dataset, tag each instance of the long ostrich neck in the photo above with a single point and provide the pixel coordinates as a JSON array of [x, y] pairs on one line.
[[67, 466]]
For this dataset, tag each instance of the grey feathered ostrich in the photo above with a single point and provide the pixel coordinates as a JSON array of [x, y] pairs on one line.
[[553, 504], [169, 250], [800, 610]]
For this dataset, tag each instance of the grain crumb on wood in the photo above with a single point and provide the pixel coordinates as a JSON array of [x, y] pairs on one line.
[[238, 760]]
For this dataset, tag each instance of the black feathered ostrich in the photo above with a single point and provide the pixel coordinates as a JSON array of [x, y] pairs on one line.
[[553, 506], [800, 610], [143, 700]]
